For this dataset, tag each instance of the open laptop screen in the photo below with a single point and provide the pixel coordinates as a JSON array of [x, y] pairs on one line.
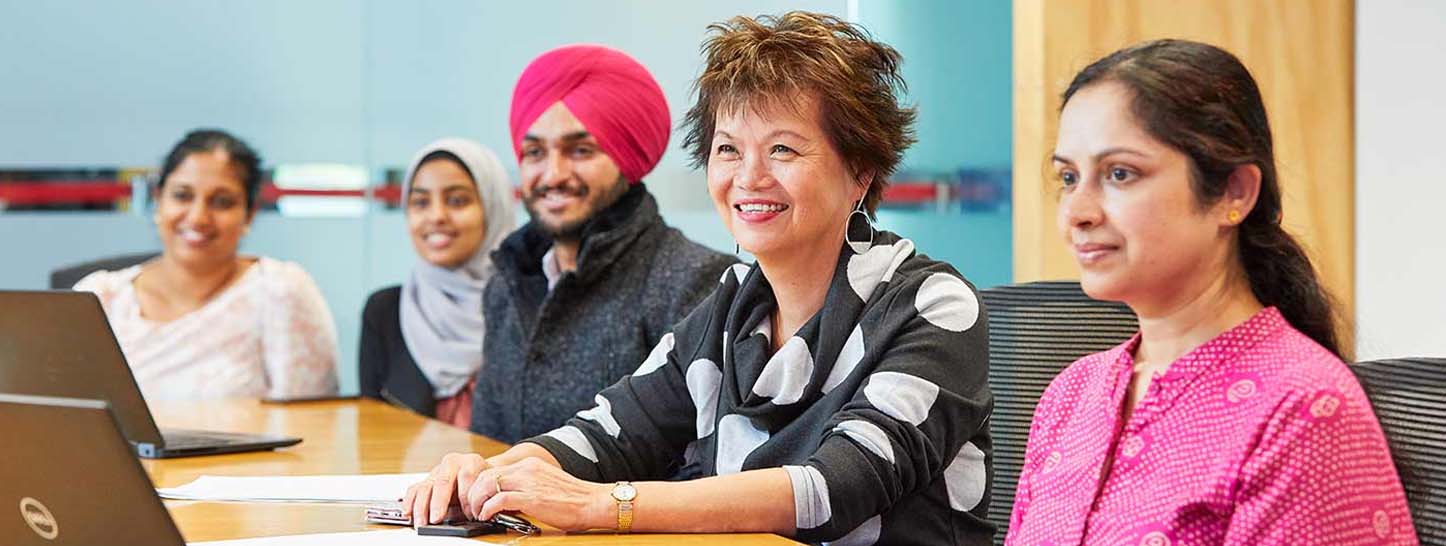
[[59, 343], [69, 478]]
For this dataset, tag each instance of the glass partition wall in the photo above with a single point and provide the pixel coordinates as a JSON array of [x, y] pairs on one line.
[[338, 95]]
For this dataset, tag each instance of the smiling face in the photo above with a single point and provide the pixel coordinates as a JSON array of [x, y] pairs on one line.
[[777, 181], [566, 177], [444, 213], [201, 212], [1126, 206]]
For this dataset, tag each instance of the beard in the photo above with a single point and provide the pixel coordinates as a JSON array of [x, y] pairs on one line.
[[593, 202]]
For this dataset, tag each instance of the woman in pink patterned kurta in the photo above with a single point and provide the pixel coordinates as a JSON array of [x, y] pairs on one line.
[[1230, 418]]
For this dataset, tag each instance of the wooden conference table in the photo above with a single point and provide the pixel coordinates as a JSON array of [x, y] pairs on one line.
[[340, 437]]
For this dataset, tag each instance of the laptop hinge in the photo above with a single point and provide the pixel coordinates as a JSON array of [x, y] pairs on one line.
[[147, 450]]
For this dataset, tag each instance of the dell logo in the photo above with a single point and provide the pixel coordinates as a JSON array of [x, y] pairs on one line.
[[38, 517]]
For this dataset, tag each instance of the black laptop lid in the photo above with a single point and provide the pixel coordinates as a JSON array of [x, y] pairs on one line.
[[70, 479], [58, 343]]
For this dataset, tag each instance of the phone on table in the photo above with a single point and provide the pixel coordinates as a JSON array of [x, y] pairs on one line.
[[455, 524]]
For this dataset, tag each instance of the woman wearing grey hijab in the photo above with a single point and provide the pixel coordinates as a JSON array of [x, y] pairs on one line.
[[421, 342]]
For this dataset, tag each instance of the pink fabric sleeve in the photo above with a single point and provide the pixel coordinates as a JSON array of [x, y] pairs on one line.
[[1321, 474], [298, 338], [1044, 418], [101, 283]]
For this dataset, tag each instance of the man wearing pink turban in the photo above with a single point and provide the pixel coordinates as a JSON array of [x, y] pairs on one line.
[[589, 286]]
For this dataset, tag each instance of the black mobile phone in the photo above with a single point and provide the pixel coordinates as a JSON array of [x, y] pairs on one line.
[[465, 529]]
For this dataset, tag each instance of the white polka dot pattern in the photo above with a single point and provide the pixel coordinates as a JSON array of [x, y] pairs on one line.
[[658, 357], [870, 436], [901, 396], [703, 381], [575, 440], [765, 328], [946, 302], [966, 478], [737, 438], [739, 271], [786, 375], [848, 359], [867, 270], [602, 414]]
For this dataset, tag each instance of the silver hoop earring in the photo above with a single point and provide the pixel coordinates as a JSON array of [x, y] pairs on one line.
[[852, 229]]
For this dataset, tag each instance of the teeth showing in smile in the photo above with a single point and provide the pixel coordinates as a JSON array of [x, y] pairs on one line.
[[761, 207], [438, 238]]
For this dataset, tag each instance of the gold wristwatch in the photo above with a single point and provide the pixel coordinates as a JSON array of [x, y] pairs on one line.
[[624, 493]]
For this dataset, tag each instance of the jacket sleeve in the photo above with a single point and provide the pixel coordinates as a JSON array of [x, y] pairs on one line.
[[919, 416], [371, 353], [697, 286], [641, 425]]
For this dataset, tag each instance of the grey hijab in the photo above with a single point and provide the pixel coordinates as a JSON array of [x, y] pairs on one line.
[[441, 308]]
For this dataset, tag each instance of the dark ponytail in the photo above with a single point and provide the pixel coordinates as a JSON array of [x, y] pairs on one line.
[[1201, 100]]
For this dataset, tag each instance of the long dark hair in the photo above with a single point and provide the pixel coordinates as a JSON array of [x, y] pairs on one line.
[[245, 159], [1201, 100]]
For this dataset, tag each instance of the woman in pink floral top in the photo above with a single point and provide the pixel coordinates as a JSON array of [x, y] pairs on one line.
[[1230, 418], [201, 321]]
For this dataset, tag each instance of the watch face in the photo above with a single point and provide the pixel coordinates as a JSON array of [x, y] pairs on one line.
[[624, 492]]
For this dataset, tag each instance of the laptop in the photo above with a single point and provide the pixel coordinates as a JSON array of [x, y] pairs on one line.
[[70, 479], [59, 343]]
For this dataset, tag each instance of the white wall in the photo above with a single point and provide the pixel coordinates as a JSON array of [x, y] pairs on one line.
[[1400, 178]]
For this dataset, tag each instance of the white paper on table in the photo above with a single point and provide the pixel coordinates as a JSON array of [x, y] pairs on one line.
[[400, 537], [368, 488]]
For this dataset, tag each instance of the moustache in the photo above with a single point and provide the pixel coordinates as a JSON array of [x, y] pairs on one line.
[[541, 190]]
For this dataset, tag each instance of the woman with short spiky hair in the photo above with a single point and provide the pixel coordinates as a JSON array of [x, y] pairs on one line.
[[834, 391]]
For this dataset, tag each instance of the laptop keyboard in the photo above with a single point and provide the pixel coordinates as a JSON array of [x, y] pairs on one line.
[[184, 439]]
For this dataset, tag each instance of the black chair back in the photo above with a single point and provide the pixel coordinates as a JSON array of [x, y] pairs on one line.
[[1035, 330], [1409, 396], [66, 277]]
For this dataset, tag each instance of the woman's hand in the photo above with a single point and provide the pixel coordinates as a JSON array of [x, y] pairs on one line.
[[426, 502], [544, 492]]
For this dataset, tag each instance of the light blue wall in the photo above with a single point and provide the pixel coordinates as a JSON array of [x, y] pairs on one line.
[[368, 82], [959, 68]]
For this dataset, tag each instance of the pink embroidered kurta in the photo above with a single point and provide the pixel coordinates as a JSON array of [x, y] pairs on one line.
[[1259, 436]]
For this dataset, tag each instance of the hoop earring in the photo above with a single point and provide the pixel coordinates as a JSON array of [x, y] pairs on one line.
[[851, 228]]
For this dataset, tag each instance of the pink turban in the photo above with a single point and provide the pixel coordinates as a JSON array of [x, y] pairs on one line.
[[610, 93]]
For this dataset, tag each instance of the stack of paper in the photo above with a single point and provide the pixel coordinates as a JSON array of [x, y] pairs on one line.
[[371, 488]]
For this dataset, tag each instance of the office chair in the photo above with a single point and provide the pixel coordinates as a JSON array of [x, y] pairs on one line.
[[65, 277], [1036, 329], [1409, 396]]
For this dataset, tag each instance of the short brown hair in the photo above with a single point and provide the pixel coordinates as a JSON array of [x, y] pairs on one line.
[[774, 59]]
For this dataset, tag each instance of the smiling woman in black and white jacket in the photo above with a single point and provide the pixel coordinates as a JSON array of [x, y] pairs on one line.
[[835, 391]]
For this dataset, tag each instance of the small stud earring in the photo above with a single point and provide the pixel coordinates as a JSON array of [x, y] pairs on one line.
[[1234, 216]]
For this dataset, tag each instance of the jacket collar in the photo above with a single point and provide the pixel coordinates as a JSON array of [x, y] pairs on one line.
[[606, 238]]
